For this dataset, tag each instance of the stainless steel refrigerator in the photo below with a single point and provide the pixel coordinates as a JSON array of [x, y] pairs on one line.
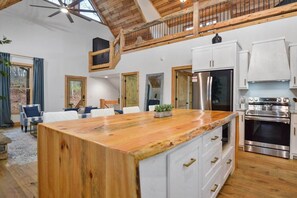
[[213, 90]]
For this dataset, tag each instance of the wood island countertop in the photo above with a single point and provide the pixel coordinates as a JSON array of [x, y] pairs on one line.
[[142, 135], [74, 152]]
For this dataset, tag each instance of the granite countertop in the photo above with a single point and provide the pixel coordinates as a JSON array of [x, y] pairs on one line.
[[140, 134]]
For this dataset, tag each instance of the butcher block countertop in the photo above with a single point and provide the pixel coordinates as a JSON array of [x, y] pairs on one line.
[[99, 157]]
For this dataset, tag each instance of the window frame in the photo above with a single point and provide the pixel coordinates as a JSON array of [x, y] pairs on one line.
[[30, 67]]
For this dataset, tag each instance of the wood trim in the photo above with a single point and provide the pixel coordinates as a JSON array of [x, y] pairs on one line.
[[100, 52], [196, 17], [6, 3], [173, 80], [22, 64], [67, 79], [223, 29], [123, 91]]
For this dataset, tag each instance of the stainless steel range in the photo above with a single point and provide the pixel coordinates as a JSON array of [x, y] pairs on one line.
[[267, 126]]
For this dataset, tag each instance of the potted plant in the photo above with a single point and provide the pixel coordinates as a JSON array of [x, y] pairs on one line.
[[164, 110]]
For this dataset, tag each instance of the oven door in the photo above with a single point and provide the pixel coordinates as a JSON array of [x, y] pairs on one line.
[[267, 132]]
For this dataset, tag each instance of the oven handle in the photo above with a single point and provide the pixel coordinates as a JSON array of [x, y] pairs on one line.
[[267, 119]]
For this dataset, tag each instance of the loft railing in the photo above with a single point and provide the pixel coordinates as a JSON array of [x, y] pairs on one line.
[[193, 22]]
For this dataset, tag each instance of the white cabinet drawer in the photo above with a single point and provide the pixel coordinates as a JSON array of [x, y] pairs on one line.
[[211, 162], [183, 171], [227, 164], [213, 187], [212, 138]]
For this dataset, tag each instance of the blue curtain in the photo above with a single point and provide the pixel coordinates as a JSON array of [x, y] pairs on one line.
[[38, 83], [5, 112]]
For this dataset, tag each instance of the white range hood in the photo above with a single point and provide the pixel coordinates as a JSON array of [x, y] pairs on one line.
[[269, 61]]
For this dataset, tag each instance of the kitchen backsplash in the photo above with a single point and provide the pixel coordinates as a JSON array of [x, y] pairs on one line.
[[269, 89]]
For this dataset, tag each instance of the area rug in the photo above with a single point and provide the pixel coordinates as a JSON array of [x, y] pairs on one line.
[[23, 148]]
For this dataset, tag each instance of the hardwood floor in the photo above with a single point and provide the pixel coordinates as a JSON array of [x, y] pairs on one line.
[[257, 176], [261, 176]]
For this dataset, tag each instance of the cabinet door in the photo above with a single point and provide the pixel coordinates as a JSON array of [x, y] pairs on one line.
[[183, 169], [224, 56], [243, 70], [202, 59], [293, 64], [293, 143], [241, 128]]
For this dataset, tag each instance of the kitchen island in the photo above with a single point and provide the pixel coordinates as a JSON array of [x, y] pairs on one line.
[[136, 155]]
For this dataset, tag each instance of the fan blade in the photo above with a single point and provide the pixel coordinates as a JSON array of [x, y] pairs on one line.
[[69, 17], [78, 15], [38, 6], [80, 10], [58, 12], [74, 3], [61, 3]]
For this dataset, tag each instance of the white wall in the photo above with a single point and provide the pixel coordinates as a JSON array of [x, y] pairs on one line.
[[64, 47], [163, 58]]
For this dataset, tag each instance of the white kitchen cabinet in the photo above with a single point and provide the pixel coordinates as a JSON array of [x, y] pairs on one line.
[[217, 56], [293, 65], [293, 138], [243, 69], [241, 128], [183, 172]]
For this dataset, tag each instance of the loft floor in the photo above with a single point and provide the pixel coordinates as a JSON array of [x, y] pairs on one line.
[[256, 176]]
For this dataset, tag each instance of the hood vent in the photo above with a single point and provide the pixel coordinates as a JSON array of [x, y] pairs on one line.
[[269, 61]]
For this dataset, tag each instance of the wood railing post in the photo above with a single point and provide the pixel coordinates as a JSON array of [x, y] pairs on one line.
[[122, 41], [90, 61], [111, 53], [196, 17]]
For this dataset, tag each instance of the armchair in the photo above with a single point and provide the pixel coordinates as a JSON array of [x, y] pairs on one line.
[[30, 113]]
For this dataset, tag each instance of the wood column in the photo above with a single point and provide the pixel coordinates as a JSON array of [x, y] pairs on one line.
[[196, 17]]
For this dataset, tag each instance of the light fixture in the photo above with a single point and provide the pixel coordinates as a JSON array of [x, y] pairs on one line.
[[183, 1], [105, 76], [64, 10]]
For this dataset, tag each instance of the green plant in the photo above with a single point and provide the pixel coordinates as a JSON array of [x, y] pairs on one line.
[[163, 108], [5, 62]]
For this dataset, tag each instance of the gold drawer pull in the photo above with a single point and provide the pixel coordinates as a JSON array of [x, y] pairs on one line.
[[215, 187], [214, 138], [214, 160], [229, 161], [190, 163]]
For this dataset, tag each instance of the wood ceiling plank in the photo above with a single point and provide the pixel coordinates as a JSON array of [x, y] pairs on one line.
[[6, 3]]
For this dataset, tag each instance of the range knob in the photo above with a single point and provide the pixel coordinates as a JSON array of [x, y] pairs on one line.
[[286, 100], [251, 99], [256, 99], [278, 99]]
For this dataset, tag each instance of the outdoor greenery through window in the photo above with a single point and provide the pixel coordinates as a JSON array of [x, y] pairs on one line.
[[84, 5], [19, 87]]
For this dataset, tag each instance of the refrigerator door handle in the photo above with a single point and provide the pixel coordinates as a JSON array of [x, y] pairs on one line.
[[207, 92], [210, 93]]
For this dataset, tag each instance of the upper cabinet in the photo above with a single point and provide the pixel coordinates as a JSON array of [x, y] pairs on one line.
[[293, 65], [243, 69], [217, 56]]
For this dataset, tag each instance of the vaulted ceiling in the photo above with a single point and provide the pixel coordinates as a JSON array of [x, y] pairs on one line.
[[166, 7]]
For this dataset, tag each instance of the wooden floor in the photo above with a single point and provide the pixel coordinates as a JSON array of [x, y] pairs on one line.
[[257, 176]]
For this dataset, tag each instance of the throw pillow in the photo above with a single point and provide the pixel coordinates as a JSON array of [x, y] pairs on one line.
[[88, 109], [32, 111]]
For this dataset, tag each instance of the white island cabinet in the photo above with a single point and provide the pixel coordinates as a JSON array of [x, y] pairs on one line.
[[194, 169], [217, 56], [293, 65], [293, 138]]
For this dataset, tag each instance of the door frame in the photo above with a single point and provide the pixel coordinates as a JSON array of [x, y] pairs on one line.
[[67, 79], [173, 80], [123, 91]]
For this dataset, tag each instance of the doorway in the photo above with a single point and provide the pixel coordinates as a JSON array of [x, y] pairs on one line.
[[75, 91], [181, 96], [130, 95]]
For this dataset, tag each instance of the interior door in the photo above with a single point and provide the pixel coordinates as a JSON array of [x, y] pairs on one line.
[[75, 91], [130, 90], [183, 90]]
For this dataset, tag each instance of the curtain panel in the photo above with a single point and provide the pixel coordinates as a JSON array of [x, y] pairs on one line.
[[38, 82], [5, 111]]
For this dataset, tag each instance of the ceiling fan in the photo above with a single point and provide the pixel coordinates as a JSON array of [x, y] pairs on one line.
[[67, 9]]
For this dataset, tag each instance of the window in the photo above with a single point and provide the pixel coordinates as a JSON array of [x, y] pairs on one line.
[[20, 87], [84, 5]]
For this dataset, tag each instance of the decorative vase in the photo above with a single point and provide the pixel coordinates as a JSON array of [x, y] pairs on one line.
[[163, 114], [216, 39]]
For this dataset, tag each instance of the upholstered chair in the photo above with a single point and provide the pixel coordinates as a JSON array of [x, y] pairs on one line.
[[29, 113]]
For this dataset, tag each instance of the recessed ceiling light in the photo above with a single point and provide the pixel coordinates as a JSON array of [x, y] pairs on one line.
[[183, 1], [64, 10], [105, 76]]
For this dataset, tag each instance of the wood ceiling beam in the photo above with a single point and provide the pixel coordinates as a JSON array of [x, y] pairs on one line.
[[6, 3], [140, 10]]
